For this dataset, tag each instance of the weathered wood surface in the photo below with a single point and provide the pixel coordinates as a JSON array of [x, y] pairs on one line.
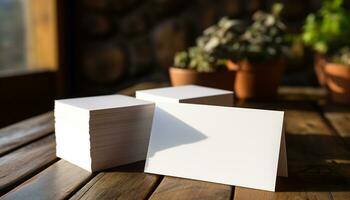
[[178, 188], [315, 160], [339, 118], [318, 148], [26, 161], [245, 193], [21, 133], [56, 182], [302, 93], [126, 182]]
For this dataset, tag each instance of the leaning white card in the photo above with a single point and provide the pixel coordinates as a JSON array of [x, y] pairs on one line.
[[188, 94], [235, 146]]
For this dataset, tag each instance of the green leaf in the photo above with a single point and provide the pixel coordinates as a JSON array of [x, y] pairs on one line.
[[277, 9]]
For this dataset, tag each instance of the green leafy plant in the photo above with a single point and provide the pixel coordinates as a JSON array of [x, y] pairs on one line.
[[195, 58], [216, 37], [263, 40], [328, 29], [207, 55]]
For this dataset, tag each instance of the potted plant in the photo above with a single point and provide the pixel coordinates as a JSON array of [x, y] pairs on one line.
[[195, 66], [337, 76], [325, 31], [258, 56], [202, 64]]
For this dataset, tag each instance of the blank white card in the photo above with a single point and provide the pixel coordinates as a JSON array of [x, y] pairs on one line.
[[234, 146]]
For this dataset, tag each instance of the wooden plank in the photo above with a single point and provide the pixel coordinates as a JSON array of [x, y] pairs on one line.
[[302, 93], [316, 158], [340, 195], [126, 182], [26, 161], [16, 135], [339, 117], [56, 182], [248, 194], [178, 188]]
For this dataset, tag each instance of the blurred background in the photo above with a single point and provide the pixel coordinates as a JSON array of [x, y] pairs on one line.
[[59, 48]]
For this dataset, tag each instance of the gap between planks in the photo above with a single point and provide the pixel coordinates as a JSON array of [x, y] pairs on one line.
[[338, 118], [59, 181], [25, 132], [20, 165], [126, 181], [179, 188]]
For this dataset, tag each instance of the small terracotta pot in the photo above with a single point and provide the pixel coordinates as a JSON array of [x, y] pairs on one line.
[[338, 82], [257, 80], [220, 79], [319, 62]]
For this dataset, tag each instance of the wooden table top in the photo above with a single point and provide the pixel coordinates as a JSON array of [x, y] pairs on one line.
[[318, 146]]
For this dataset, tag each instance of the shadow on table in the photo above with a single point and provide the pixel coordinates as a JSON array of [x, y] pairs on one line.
[[165, 136], [137, 167], [316, 163], [335, 108], [170, 131]]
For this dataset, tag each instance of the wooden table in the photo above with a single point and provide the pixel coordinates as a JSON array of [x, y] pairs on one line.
[[318, 145]]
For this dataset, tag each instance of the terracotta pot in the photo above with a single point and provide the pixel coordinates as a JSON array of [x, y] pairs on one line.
[[319, 62], [338, 82], [220, 79], [257, 80]]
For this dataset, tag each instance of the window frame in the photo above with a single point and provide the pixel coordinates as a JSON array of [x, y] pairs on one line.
[[31, 91]]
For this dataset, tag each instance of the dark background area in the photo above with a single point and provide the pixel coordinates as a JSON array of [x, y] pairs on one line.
[[107, 45], [114, 43]]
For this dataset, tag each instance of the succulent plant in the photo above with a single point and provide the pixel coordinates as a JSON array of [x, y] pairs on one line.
[[329, 28], [263, 40], [342, 57]]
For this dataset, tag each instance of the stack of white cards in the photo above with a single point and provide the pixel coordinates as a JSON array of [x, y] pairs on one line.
[[96, 133], [188, 94], [189, 131]]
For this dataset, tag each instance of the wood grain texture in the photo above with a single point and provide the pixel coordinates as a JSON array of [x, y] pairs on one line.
[[13, 136], [248, 194], [126, 182], [178, 188], [302, 93], [56, 182], [24, 162], [340, 195], [316, 156], [339, 118], [318, 161]]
